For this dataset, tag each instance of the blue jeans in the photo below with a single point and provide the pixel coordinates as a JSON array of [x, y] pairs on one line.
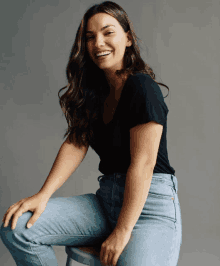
[[90, 218]]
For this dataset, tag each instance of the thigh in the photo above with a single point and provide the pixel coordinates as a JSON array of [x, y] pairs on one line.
[[77, 220], [154, 245], [156, 236]]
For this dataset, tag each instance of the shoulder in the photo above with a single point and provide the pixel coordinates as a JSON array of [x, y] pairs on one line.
[[140, 78], [144, 85]]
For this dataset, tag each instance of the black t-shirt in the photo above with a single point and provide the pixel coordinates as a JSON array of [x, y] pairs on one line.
[[141, 101]]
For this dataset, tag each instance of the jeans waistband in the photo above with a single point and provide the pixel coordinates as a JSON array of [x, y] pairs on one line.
[[169, 178]]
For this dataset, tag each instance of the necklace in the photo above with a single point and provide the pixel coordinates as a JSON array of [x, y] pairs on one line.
[[113, 106]]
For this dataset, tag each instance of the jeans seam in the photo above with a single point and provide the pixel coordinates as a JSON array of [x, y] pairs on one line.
[[174, 184], [44, 236], [174, 203], [37, 256]]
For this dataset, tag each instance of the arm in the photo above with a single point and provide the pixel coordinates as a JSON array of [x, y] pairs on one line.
[[144, 145], [67, 161], [137, 185]]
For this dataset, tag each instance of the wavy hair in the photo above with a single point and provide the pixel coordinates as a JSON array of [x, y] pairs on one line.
[[85, 89]]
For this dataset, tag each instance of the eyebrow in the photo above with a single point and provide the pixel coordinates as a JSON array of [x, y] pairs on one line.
[[101, 28]]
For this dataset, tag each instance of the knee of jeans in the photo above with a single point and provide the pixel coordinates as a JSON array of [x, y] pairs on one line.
[[6, 234], [20, 227], [2, 230]]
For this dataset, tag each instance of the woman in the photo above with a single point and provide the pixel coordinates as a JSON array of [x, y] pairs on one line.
[[114, 105]]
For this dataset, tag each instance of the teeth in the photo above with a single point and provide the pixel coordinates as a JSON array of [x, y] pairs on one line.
[[103, 53]]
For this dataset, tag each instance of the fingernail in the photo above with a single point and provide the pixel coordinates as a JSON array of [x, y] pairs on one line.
[[29, 225]]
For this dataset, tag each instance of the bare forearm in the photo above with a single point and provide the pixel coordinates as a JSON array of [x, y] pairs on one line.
[[66, 162], [137, 185]]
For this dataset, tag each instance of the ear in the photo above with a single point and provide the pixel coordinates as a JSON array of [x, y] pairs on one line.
[[129, 39]]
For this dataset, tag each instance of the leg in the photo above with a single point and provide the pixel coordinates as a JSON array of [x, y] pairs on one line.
[[152, 246], [157, 235], [77, 220]]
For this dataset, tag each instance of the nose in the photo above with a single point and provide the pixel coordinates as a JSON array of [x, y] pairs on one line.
[[99, 42]]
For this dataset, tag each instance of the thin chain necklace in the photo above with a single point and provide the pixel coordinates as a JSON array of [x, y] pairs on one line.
[[112, 107], [115, 101]]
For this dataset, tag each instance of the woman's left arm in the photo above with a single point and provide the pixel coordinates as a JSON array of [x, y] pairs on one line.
[[144, 145], [137, 186]]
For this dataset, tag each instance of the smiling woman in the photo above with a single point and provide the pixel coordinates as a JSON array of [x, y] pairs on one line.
[[114, 105], [104, 27]]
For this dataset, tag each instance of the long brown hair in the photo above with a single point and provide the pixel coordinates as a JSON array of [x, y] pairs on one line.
[[80, 103]]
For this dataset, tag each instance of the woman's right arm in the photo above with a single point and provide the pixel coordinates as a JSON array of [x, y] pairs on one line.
[[66, 162], [68, 159]]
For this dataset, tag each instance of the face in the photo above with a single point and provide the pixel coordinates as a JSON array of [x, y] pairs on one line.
[[111, 38]]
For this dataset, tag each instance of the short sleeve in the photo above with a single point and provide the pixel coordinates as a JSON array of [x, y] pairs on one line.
[[147, 104]]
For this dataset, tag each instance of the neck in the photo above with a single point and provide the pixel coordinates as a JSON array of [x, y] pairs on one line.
[[115, 83]]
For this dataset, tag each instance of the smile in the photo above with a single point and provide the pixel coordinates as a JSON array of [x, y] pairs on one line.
[[103, 56]]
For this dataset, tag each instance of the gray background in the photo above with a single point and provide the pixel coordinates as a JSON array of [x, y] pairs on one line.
[[180, 42]]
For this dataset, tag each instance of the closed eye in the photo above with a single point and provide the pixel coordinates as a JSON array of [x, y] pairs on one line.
[[89, 37]]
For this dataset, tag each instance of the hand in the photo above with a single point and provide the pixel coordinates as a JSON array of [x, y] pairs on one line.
[[113, 246], [36, 204]]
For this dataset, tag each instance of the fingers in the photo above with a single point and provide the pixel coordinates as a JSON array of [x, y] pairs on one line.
[[104, 256], [11, 211], [33, 219], [15, 218], [11, 207]]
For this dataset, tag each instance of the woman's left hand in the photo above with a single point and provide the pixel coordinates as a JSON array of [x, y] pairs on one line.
[[113, 246]]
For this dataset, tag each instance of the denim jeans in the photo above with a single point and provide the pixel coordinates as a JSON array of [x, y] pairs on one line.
[[90, 218]]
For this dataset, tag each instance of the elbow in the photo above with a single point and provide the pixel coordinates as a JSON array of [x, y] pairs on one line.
[[143, 167]]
